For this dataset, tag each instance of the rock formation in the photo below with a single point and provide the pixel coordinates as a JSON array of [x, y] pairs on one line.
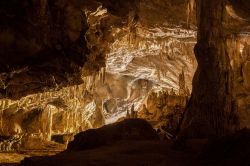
[[212, 110], [67, 66], [129, 129], [87, 63]]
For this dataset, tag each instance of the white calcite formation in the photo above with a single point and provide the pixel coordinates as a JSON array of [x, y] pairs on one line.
[[141, 60], [139, 63]]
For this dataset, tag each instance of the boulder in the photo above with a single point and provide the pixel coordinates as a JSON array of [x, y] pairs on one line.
[[129, 129]]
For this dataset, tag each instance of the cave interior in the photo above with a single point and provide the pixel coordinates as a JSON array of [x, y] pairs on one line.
[[125, 82]]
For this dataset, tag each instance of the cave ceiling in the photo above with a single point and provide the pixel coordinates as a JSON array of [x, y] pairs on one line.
[[51, 44], [54, 43]]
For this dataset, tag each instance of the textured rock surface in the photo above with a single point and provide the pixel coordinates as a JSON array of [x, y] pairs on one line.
[[45, 44], [56, 74], [212, 110], [67, 66]]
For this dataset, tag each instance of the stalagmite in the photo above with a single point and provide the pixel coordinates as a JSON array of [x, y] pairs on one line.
[[1, 121], [128, 114], [133, 112], [49, 132], [68, 122], [182, 84], [210, 111], [103, 74]]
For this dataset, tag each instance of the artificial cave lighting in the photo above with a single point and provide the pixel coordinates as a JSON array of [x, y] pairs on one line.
[[114, 82]]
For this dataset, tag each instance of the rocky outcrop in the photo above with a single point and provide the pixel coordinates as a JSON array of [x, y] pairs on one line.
[[41, 116], [130, 129]]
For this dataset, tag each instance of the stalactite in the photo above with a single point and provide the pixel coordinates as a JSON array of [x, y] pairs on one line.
[[43, 5], [1, 121], [50, 115], [158, 74], [190, 8], [5, 103], [103, 75], [132, 24], [67, 122]]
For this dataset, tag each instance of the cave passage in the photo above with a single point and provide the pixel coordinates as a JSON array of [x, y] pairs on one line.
[[147, 82]]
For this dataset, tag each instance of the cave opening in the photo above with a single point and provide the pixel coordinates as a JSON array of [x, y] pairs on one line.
[[85, 80]]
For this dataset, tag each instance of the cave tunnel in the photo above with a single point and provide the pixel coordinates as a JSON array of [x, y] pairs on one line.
[[115, 82]]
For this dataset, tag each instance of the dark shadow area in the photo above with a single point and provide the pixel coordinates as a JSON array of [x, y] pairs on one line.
[[105, 146]]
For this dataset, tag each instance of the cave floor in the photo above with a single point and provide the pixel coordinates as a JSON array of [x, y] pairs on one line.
[[124, 153], [14, 158], [132, 153]]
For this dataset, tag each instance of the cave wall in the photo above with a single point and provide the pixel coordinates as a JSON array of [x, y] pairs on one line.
[[215, 108], [50, 44], [62, 84], [42, 45], [238, 48], [67, 66]]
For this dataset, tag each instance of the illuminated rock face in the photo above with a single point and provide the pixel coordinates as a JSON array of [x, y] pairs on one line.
[[239, 55], [67, 66], [89, 73], [40, 116], [47, 45], [89, 63], [51, 44], [150, 56]]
